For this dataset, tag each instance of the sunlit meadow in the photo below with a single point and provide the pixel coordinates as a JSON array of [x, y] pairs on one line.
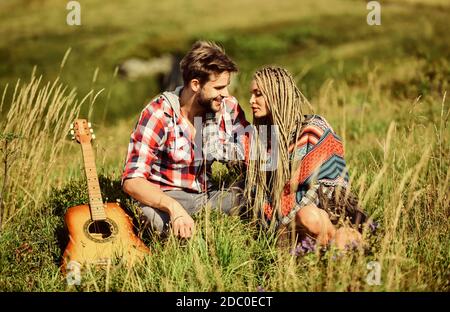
[[383, 88]]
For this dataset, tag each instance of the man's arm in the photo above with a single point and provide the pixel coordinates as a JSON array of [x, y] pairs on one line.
[[241, 131], [148, 136], [148, 194], [226, 138]]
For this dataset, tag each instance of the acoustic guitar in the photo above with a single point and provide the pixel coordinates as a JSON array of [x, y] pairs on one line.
[[98, 232]]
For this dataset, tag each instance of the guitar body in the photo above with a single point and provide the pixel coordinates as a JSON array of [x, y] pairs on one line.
[[101, 241]]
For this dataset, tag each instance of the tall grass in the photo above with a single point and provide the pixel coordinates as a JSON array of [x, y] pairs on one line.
[[381, 88], [398, 154], [37, 122]]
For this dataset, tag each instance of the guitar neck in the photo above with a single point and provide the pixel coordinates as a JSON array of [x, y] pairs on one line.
[[95, 196]]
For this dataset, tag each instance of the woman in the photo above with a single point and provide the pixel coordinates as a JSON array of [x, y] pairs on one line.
[[308, 165]]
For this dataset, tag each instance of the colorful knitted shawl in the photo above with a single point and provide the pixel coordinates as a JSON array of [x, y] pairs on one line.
[[322, 162]]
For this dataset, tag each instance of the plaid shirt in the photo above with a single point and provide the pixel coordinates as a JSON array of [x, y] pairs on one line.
[[163, 149]]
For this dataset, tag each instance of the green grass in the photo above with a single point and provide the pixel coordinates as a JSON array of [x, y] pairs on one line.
[[381, 88]]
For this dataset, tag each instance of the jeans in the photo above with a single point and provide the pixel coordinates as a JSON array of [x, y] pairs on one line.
[[229, 201]]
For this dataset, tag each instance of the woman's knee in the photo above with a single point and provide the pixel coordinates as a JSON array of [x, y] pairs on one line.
[[348, 238], [311, 218]]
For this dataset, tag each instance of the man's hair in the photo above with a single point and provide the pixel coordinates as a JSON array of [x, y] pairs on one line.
[[205, 58]]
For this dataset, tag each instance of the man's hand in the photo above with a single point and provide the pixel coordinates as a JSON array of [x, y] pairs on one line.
[[148, 194], [182, 223]]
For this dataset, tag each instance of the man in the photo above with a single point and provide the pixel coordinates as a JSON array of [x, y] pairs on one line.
[[176, 138]]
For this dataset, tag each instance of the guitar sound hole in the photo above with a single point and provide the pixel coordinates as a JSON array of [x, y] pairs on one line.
[[100, 229]]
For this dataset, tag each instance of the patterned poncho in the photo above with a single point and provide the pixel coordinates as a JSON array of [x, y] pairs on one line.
[[322, 165]]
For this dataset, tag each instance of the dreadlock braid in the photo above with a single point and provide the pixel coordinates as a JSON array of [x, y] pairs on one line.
[[285, 104]]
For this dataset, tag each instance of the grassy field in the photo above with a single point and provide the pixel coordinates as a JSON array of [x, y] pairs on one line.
[[383, 88]]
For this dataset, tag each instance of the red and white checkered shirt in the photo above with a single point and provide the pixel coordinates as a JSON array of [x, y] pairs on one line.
[[163, 150]]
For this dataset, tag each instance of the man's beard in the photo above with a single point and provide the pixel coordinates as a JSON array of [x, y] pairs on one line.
[[208, 104]]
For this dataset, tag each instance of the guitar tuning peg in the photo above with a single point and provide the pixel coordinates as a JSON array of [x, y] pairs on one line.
[[72, 132], [89, 125], [93, 137], [92, 130], [73, 137], [71, 126]]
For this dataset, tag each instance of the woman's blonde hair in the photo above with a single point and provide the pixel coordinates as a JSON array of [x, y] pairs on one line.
[[286, 105]]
